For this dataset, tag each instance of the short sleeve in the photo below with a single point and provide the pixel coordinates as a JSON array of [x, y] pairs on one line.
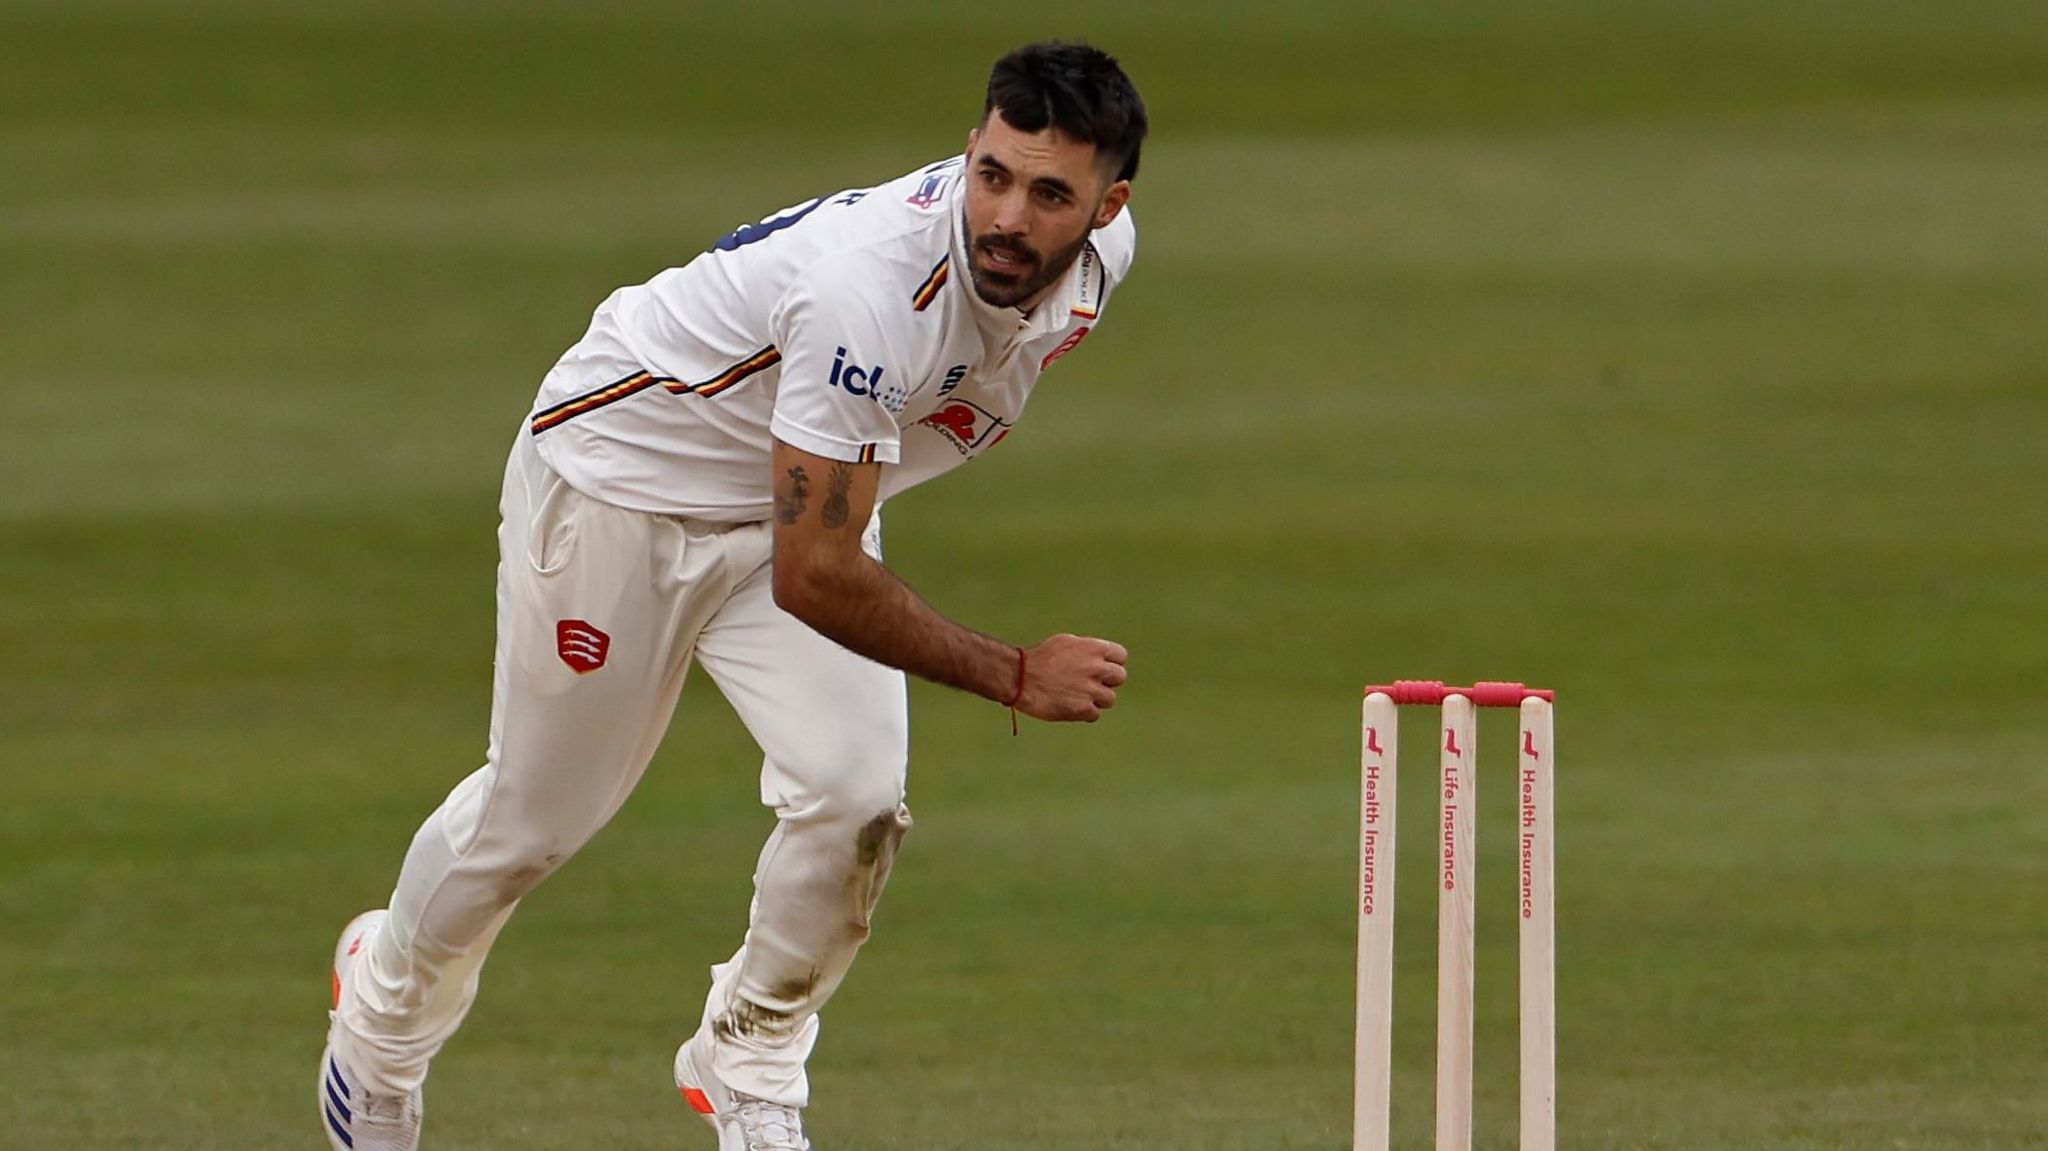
[[842, 382]]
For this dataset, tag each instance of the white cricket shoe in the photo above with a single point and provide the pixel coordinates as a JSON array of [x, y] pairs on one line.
[[743, 1122], [355, 1119]]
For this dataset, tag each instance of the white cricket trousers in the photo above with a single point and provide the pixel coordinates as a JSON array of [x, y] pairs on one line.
[[600, 611]]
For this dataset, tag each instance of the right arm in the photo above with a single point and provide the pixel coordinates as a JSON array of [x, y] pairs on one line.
[[824, 578]]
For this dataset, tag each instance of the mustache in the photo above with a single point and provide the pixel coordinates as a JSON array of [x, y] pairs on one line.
[[996, 242]]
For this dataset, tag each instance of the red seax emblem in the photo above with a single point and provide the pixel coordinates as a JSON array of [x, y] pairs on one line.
[[581, 646], [1066, 345]]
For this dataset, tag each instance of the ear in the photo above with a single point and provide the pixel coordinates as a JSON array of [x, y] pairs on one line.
[[1113, 201], [973, 135]]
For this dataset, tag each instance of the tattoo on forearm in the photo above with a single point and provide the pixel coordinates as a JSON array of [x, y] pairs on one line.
[[837, 485], [790, 504]]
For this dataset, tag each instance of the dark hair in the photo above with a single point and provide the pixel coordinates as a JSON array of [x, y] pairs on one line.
[[1078, 89]]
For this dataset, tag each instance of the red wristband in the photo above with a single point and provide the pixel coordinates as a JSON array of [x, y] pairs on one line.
[[1017, 695]]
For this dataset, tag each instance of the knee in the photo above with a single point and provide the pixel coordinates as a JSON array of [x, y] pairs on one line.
[[526, 867], [498, 835], [848, 781], [515, 861], [850, 798]]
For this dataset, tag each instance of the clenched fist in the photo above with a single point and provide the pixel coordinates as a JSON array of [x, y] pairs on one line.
[[1072, 677]]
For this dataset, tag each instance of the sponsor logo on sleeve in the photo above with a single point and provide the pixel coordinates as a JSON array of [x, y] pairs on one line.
[[968, 427], [867, 383]]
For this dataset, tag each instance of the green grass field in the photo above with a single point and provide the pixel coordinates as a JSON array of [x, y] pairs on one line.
[[1689, 357]]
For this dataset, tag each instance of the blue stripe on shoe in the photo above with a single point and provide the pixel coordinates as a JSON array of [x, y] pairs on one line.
[[339, 1106], [334, 1077], [340, 1132]]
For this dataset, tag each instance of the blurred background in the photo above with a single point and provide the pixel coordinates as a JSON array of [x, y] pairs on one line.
[[1689, 358]]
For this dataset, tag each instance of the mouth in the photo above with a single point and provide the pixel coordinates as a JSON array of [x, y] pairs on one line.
[[1005, 259]]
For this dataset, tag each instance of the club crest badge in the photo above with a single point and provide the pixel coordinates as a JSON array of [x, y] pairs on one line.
[[581, 646]]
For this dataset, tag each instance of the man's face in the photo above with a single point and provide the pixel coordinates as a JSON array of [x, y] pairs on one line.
[[1032, 199]]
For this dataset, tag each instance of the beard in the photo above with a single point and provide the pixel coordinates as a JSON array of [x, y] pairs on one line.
[[1033, 270]]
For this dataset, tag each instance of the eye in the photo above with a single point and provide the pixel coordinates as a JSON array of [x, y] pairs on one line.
[[992, 178], [1052, 197]]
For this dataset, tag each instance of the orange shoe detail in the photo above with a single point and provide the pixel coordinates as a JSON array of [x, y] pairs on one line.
[[354, 945], [698, 1101]]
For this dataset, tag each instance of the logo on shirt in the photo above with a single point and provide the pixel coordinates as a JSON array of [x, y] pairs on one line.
[[1092, 280], [581, 646], [1066, 345], [866, 382], [954, 375], [967, 426], [930, 192]]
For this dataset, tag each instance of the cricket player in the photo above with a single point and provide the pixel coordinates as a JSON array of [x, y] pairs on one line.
[[701, 477]]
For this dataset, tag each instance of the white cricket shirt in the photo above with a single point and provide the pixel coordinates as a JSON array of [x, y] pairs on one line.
[[846, 326]]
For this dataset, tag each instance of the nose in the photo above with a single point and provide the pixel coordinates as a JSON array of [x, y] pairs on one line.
[[1011, 213]]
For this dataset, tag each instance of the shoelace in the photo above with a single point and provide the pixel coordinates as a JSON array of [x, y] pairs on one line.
[[383, 1108], [770, 1126]]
